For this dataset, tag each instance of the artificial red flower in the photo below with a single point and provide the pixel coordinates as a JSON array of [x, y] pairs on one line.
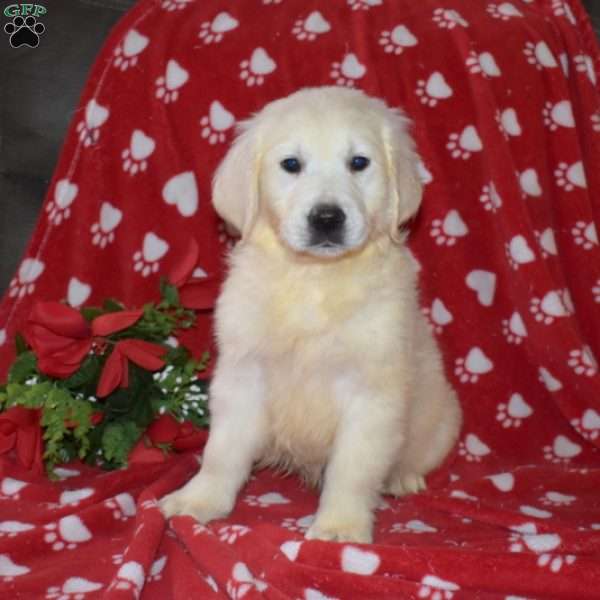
[[59, 336], [20, 430], [116, 321], [116, 369]]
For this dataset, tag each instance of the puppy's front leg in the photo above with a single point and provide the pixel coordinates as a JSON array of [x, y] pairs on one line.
[[367, 444], [237, 435]]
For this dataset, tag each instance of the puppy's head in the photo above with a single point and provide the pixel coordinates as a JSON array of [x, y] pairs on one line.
[[327, 168]]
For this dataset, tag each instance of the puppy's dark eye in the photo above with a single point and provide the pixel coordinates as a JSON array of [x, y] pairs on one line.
[[359, 163], [291, 165]]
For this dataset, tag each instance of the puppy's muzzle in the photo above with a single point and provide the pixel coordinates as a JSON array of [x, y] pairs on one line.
[[326, 225]]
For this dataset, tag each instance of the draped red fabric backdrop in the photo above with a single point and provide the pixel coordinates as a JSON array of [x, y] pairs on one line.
[[506, 105]]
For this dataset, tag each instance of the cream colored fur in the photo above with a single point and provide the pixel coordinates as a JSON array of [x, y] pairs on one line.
[[326, 366]]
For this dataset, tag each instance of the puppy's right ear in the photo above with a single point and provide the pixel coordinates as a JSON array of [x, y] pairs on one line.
[[235, 184]]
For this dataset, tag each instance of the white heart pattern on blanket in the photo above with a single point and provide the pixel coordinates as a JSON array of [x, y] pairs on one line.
[[142, 146], [79, 585], [488, 65], [440, 315], [542, 542], [510, 122], [223, 23], [530, 183], [133, 573], [14, 527], [590, 419], [261, 63], [517, 407], [453, 225], [30, 270], [134, 43], [516, 325], [443, 589], [553, 305], [78, 292], [576, 175], [352, 68], [75, 496], [95, 114], [291, 549], [316, 23], [10, 569], [110, 217], [154, 248], [533, 511], [361, 562], [470, 140], [176, 75], [510, 10], [552, 384], [64, 193], [437, 86], [477, 362], [520, 251], [220, 118], [402, 36], [484, 283], [420, 527], [548, 241], [475, 446], [504, 482], [562, 114], [182, 191], [544, 55], [564, 448], [11, 487]]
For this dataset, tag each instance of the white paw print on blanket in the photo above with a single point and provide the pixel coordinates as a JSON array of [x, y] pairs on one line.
[[508, 123], [181, 191], [242, 581], [265, 500], [147, 260], [212, 32], [363, 4], [9, 569], [585, 64], [231, 533], [483, 63], [216, 123], [254, 70], [413, 526], [168, 85], [484, 284], [490, 198], [448, 18], [74, 497], [547, 242], [557, 499], [561, 9], [542, 545], [562, 450], [68, 533], [436, 588], [514, 329], [103, 231], [348, 71], [530, 184], [395, 41], [462, 495], [141, 146], [583, 361], [468, 369], [358, 561], [570, 176], [11, 488], [504, 482], [540, 56], [130, 577], [438, 315], [552, 384], [504, 11], [77, 292], [312, 594], [512, 413], [89, 128], [308, 29], [14, 528], [518, 252], [472, 448], [301, 524], [558, 115], [74, 588], [534, 511], [555, 304], [433, 89], [127, 52], [59, 209], [585, 234], [156, 569], [588, 425], [24, 283], [171, 5], [122, 506], [448, 230], [462, 145]]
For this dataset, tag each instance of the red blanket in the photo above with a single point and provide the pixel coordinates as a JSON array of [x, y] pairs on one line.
[[506, 104]]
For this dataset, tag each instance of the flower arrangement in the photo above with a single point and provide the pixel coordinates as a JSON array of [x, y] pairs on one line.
[[108, 385]]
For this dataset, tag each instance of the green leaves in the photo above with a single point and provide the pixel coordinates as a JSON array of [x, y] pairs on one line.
[[24, 367], [118, 439]]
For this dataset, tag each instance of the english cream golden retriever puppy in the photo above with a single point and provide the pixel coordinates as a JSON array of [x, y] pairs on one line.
[[326, 365]]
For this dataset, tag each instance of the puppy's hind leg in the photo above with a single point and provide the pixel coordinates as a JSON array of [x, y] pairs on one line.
[[237, 436]]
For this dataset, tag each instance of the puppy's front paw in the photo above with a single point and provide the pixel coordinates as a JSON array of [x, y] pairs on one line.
[[198, 502], [403, 484], [342, 527]]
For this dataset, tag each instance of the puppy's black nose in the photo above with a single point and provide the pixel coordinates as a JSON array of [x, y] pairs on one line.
[[326, 218]]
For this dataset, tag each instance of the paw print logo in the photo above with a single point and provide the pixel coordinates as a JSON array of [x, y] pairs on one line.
[[11, 488], [583, 362], [168, 85], [257, 67], [438, 315], [508, 123], [490, 198], [348, 71], [473, 449], [301, 525], [242, 581], [557, 499], [550, 382], [547, 242], [539, 55], [435, 588], [462, 145], [122, 506], [13, 528], [518, 252], [363, 4], [562, 450], [514, 329], [308, 29], [447, 231], [103, 231], [68, 533], [595, 119], [24, 31], [585, 64], [542, 545], [511, 414], [146, 260], [24, 283], [395, 41], [216, 123], [270, 499], [448, 18], [588, 425], [130, 577], [212, 32], [140, 148], [9, 570], [434, 89], [555, 304], [504, 11], [558, 115], [199, 528], [484, 64], [414, 526], [89, 128], [172, 5], [59, 209], [156, 569], [585, 234], [74, 588], [127, 52], [231, 533], [468, 369]]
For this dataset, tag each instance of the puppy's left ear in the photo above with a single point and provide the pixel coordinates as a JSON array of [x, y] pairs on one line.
[[405, 184]]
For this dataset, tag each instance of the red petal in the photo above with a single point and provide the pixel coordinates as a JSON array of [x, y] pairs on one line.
[[142, 353], [112, 322], [184, 269], [111, 374], [163, 430], [142, 454], [59, 318], [200, 293]]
